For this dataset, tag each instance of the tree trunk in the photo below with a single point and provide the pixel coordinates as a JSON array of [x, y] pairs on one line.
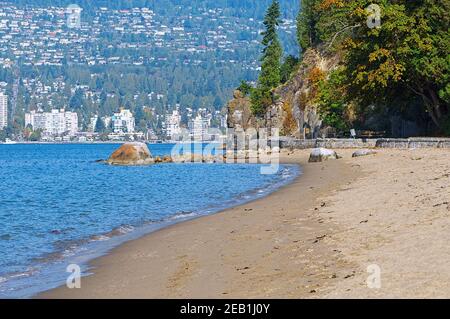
[[436, 103], [432, 103], [431, 111]]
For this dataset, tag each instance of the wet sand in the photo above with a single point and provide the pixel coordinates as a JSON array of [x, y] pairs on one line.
[[314, 238]]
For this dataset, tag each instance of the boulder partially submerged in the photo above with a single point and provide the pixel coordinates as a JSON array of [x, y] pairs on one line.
[[131, 154], [363, 152], [322, 154], [164, 159]]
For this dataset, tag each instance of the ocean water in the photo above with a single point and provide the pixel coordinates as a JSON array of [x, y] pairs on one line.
[[59, 207]]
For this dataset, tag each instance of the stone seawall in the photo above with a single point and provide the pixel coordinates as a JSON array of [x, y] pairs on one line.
[[418, 142]]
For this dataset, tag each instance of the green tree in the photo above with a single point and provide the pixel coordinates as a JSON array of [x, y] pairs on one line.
[[76, 102], [99, 126], [288, 67], [406, 57], [331, 100], [270, 76], [245, 87], [35, 136], [306, 24]]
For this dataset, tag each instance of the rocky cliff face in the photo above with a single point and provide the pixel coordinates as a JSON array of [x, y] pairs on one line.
[[294, 111], [239, 114]]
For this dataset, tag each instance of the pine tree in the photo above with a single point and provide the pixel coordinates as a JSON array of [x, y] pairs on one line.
[[270, 76], [99, 126], [306, 24]]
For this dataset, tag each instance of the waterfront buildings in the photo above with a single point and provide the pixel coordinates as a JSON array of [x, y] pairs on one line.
[[198, 128], [123, 122], [173, 125], [3, 111], [53, 123]]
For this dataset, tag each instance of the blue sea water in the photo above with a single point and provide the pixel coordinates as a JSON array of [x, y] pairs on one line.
[[58, 206]]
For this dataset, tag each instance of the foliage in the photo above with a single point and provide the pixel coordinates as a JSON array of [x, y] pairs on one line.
[[386, 68], [245, 88], [407, 55], [35, 136], [99, 126], [306, 24], [270, 76], [331, 101], [288, 67], [289, 122], [260, 99]]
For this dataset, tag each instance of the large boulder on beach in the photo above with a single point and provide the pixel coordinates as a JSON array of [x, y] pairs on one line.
[[363, 152], [131, 154], [322, 154]]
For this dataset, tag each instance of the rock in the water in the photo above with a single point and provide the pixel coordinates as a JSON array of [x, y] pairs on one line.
[[322, 154], [363, 152], [158, 160], [196, 158], [188, 158], [131, 154], [167, 159]]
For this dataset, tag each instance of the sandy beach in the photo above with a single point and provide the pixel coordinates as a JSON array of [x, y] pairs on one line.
[[314, 238]]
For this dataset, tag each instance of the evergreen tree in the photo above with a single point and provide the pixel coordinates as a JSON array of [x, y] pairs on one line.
[[76, 102], [245, 88], [99, 126], [287, 68], [306, 24], [270, 76]]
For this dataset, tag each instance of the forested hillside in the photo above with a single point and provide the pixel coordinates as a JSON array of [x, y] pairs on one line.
[[242, 8], [175, 52]]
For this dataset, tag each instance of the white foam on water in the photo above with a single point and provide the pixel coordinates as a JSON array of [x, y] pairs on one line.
[[100, 238], [125, 229], [183, 215]]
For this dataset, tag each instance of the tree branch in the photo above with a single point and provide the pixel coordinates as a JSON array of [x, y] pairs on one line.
[[340, 31]]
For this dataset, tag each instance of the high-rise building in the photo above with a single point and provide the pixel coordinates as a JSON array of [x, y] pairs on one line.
[[57, 122], [3, 111], [198, 128], [123, 122], [173, 122]]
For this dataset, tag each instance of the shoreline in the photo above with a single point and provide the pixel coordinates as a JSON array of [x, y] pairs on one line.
[[96, 246], [318, 237], [307, 184]]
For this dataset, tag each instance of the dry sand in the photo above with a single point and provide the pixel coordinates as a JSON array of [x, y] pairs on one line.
[[314, 238]]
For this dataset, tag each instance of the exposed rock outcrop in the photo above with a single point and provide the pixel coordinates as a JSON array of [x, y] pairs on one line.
[[294, 111], [322, 154], [240, 116], [131, 154]]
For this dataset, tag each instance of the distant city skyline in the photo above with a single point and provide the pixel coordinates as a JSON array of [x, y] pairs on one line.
[[140, 58]]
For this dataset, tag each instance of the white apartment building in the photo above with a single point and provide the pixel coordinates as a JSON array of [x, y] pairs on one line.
[[198, 128], [54, 123], [173, 122], [123, 122], [3, 111]]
